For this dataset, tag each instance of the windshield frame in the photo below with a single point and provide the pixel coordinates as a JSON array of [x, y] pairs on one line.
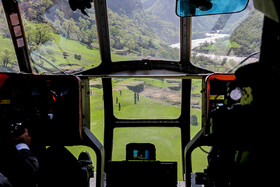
[[16, 28], [107, 67], [141, 67], [125, 68]]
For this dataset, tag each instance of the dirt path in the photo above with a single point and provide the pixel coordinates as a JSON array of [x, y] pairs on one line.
[[173, 97]]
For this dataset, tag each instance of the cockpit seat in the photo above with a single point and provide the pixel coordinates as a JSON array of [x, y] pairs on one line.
[[50, 108]]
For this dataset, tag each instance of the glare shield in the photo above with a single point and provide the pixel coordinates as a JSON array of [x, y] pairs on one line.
[[189, 8]]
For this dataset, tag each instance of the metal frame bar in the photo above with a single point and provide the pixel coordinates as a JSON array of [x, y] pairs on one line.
[[90, 140], [185, 40], [197, 141], [13, 17], [101, 15]]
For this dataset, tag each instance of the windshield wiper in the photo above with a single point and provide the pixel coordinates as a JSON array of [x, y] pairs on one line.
[[244, 60], [50, 63]]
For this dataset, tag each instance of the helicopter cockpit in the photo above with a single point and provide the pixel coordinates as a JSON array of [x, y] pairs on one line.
[[158, 92]]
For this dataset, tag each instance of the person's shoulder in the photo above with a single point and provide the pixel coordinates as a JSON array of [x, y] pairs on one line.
[[22, 146], [4, 182]]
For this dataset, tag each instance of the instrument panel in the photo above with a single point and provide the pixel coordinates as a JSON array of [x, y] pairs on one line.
[[49, 106]]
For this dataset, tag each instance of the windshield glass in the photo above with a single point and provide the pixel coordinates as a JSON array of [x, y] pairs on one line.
[[221, 42], [147, 98], [60, 41], [143, 29], [8, 59], [63, 42]]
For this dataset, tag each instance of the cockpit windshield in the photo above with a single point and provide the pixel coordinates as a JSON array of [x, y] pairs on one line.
[[221, 42], [62, 41], [8, 59], [143, 29]]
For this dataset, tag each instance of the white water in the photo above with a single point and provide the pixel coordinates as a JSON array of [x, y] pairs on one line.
[[211, 38]]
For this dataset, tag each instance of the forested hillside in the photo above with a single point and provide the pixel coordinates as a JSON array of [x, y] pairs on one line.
[[143, 32], [132, 27], [125, 6], [239, 35], [247, 36]]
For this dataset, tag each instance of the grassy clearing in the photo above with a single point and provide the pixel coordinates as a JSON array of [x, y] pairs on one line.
[[166, 140], [54, 51], [6, 43], [145, 108]]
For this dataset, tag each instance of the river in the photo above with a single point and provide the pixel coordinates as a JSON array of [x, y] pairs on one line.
[[210, 38]]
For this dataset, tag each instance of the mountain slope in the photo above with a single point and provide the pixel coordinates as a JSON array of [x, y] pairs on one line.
[[127, 6], [247, 35]]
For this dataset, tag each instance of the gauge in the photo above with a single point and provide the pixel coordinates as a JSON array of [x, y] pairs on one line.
[[236, 94]]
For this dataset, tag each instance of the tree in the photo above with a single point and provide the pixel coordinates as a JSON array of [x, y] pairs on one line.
[[35, 10], [37, 34], [224, 61], [131, 45], [67, 27], [115, 31], [83, 24], [92, 34], [6, 57], [87, 36]]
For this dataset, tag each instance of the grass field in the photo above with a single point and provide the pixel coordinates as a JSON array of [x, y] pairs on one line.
[[61, 53], [6, 43], [166, 140]]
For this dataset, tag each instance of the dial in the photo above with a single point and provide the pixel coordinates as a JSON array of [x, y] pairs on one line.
[[236, 94]]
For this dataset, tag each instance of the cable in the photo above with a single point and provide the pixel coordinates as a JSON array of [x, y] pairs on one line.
[[203, 150]]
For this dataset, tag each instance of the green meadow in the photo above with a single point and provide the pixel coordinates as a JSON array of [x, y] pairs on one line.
[[166, 139], [61, 53]]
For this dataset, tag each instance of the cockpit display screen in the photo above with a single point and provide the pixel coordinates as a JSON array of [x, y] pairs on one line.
[[141, 154], [140, 151]]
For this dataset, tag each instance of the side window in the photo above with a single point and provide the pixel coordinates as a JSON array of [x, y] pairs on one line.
[[8, 59], [97, 108], [60, 40], [96, 122], [220, 42], [199, 155]]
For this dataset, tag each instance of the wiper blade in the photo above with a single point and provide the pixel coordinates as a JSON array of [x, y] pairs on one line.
[[50, 63], [244, 60]]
